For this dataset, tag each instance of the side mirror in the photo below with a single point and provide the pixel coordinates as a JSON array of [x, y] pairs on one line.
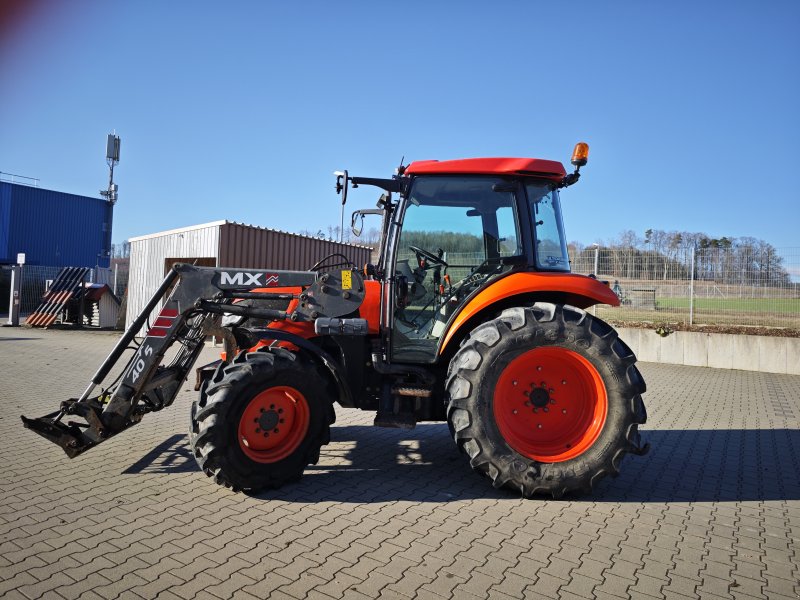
[[357, 226]]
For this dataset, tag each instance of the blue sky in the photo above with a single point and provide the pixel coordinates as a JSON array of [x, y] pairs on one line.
[[242, 110]]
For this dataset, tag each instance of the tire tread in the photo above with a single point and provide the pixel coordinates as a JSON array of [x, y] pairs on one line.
[[544, 323]]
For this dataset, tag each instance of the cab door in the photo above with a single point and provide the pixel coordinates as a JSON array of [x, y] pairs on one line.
[[455, 231]]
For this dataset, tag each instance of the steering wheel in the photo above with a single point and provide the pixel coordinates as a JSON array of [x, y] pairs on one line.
[[429, 256]]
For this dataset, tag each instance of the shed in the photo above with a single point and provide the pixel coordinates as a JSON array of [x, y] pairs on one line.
[[103, 305], [224, 244]]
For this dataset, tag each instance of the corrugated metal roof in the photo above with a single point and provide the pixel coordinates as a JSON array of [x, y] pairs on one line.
[[226, 222], [52, 228], [250, 247], [300, 235], [179, 230]]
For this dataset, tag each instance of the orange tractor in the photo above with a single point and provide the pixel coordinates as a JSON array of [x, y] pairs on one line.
[[470, 316]]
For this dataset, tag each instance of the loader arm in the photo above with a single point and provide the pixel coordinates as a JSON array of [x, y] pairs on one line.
[[198, 296]]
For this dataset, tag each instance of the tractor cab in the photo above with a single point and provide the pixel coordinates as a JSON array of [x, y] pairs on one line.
[[456, 234], [458, 226]]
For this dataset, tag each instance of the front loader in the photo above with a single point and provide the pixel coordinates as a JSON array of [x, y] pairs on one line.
[[470, 316]]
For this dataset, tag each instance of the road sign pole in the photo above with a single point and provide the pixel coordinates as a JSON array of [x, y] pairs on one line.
[[13, 306]]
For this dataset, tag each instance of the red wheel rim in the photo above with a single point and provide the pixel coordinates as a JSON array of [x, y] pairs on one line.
[[273, 424], [550, 404]]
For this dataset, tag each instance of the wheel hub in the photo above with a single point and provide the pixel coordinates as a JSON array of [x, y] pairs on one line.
[[550, 404], [268, 420], [273, 424], [539, 397]]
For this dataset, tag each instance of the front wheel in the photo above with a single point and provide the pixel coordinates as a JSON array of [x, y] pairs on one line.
[[261, 420], [545, 399]]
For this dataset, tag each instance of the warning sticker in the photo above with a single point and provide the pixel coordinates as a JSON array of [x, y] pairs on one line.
[[347, 280]]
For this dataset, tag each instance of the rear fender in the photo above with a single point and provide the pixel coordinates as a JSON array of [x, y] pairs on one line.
[[568, 288]]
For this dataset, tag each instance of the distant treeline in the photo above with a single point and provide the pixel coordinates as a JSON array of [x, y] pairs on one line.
[[121, 250], [666, 255], [449, 241], [663, 255]]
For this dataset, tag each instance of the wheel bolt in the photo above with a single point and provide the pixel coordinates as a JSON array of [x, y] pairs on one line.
[[545, 409], [564, 410], [275, 430], [266, 434], [272, 406], [280, 411], [535, 410], [258, 430], [539, 426], [255, 420], [563, 382], [514, 382], [261, 409], [552, 400], [527, 403], [538, 368], [513, 412]]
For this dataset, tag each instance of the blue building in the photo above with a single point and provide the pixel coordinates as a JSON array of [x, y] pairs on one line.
[[53, 228]]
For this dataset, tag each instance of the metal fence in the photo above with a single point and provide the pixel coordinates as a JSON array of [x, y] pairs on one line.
[[709, 286], [119, 275], [36, 279]]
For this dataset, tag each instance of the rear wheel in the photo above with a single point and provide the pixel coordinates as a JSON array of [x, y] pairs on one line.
[[261, 420], [545, 400]]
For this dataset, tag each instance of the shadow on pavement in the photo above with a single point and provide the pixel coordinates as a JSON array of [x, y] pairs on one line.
[[368, 464], [173, 455]]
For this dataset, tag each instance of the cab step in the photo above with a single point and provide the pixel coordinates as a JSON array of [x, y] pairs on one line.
[[397, 406], [395, 420]]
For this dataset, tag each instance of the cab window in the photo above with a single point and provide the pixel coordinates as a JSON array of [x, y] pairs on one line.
[[455, 231]]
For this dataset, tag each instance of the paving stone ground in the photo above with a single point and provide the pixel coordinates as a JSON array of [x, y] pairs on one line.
[[712, 512]]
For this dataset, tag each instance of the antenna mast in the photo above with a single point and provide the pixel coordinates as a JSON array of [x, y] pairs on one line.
[[110, 194]]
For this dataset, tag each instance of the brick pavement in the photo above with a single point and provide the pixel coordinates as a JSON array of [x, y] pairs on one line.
[[713, 511]]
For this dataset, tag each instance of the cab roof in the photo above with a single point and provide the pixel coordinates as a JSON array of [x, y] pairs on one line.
[[531, 167]]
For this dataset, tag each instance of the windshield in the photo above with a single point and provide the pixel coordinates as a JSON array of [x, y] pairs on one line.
[[551, 247], [464, 216]]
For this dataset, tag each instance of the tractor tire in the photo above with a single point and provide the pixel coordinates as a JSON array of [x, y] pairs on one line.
[[545, 400], [260, 420]]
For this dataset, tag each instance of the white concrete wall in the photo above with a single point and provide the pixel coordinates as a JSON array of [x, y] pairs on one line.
[[718, 350]]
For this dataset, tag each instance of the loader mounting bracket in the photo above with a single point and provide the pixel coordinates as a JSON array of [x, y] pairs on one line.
[[68, 437], [71, 437]]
